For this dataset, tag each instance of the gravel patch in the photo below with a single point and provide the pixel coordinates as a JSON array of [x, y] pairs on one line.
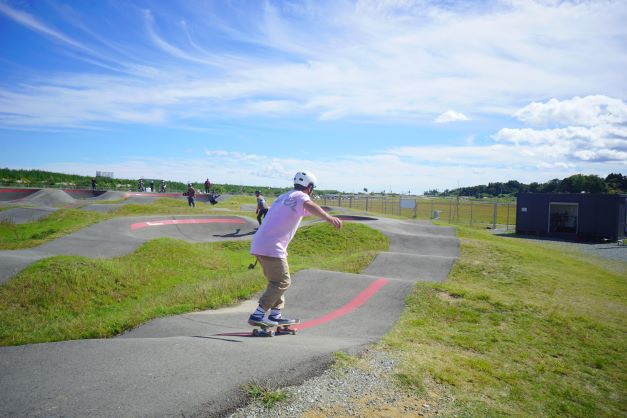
[[364, 388], [610, 251]]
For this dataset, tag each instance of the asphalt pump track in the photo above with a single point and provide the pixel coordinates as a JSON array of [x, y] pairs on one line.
[[195, 364]]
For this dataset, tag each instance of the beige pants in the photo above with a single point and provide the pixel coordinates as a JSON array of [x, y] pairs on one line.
[[277, 272]]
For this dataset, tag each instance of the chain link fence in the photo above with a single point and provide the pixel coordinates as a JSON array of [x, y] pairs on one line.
[[453, 210]]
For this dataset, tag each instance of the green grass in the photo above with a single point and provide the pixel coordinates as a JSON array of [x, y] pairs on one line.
[[59, 223], [70, 297], [520, 329], [168, 205], [265, 394]]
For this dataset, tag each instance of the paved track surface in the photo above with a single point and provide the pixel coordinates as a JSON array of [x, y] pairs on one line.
[[8, 195], [25, 215], [195, 364]]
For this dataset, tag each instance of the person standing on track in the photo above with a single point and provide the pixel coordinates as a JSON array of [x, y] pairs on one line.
[[207, 186], [269, 245], [191, 192], [262, 206]]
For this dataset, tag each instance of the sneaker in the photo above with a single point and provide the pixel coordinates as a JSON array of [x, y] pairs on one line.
[[256, 319], [283, 321]]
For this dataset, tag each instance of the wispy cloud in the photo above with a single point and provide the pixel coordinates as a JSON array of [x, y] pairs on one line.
[[38, 26], [546, 78], [382, 60]]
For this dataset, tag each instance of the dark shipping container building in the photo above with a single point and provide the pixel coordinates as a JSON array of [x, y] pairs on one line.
[[580, 217]]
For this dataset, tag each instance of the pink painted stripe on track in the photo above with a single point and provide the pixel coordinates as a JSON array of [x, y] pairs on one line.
[[357, 301], [139, 225], [155, 194], [18, 190]]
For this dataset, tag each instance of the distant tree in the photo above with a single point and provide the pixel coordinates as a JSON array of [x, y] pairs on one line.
[[551, 186], [534, 187], [616, 183], [579, 183]]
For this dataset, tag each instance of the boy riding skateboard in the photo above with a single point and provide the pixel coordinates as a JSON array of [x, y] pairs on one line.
[[270, 243]]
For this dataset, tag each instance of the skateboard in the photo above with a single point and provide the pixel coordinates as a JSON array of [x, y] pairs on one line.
[[265, 330]]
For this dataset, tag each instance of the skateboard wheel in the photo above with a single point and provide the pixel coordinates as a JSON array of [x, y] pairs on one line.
[[270, 333]]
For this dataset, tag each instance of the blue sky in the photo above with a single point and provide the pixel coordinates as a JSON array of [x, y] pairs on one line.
[[394, 95]]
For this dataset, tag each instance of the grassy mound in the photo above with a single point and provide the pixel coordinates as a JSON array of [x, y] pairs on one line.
[[68, 297]]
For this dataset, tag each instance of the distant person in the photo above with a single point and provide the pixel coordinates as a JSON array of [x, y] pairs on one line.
[[262, 206], [269, 245], [152, 185], [213, 198], [93, 184], [207, 186], [191, 193], [163, 187], [141, 185]]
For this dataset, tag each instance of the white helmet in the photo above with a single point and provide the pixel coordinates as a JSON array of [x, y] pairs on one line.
[[305, 178]]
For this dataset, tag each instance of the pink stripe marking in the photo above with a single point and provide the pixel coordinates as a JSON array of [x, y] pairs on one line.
[[155, 194], [359, 300], [139, 225]]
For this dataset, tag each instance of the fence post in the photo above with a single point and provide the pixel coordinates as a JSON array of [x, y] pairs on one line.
[[457, 208], [471, 213], [350, 202], [494, 218], [450, 211], [366, 203], [339, 200], [507, 224]]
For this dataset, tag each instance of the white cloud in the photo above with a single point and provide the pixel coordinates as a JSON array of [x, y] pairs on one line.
[[578, 111], [599, 133], [450, 116], [398, 169], [374, 61], [396, 60]]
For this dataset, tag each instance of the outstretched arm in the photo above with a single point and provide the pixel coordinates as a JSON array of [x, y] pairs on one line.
[[314, 209]]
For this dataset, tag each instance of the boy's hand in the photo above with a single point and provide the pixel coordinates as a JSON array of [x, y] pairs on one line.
[[336, 222]]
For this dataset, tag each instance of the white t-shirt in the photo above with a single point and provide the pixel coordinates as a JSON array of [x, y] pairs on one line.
[[280, 225]]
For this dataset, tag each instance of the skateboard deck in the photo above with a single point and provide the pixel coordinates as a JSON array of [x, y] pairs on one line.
[[265, 330]]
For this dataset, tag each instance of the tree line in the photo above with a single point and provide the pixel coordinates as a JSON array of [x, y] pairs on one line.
[[613, 183], [40, 178], [578, 183]]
